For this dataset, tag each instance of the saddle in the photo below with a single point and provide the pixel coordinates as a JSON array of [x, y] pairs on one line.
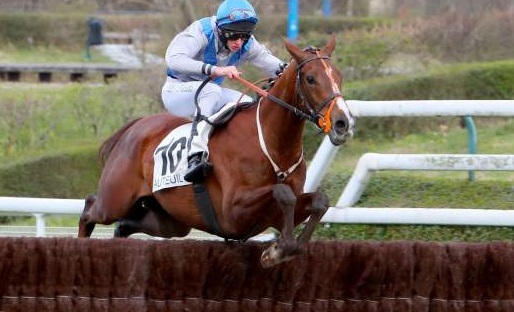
[[225, 115]]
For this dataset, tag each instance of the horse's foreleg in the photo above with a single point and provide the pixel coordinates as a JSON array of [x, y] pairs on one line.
[[287, 247], [86, 227], [286, 201], [317, 204], [248, 204]]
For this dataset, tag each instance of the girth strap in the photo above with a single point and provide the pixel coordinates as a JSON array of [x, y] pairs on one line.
[[204, 203]]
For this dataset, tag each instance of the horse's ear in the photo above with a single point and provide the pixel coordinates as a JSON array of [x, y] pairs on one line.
[[331, 44], [293, 49]]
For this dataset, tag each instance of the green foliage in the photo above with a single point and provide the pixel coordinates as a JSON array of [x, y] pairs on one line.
[[69, 30], [414, 232], [493, 81], [34, 122], [464, 81], [26, 30], [339, 24], [70, 174]]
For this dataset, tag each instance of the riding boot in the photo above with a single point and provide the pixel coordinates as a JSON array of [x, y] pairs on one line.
[[197, 164], [197, 168]]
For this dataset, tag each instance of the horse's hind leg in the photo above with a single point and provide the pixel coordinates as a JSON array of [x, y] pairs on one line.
[[86, 227], [152, 225], [148, 217]]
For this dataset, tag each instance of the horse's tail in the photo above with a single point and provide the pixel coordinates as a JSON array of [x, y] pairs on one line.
[[107, 146]]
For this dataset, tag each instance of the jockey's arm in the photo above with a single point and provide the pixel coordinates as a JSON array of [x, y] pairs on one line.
[[183, 50], [263, 59]]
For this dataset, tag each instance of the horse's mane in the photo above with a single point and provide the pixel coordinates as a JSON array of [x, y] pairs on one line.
[[107, 146], [271, 81]]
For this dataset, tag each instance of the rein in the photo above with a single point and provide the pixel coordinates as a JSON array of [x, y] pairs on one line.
[[322, 122], [264, 93]]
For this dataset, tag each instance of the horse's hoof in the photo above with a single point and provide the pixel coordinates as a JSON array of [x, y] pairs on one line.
[[275, 254], [270, 256]]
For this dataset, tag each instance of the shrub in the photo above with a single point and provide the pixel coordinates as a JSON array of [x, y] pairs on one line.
[[459, 37]]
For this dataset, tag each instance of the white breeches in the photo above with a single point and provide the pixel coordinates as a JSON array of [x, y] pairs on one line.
[[179, 97]]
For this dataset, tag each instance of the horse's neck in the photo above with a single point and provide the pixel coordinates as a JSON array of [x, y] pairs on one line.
[[281, 128]]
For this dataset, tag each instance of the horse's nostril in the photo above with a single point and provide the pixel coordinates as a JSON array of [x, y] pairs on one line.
[[341, 125]]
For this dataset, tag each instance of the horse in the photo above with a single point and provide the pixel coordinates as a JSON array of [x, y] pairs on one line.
[[258, 172]]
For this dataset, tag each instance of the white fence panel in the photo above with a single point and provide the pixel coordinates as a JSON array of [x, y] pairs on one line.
[[371, 162]]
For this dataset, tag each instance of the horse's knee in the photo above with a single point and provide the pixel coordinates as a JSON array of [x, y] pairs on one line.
[[320, 202], [284, 195], [88, 203]]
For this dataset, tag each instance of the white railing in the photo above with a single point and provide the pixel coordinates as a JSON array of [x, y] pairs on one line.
[[372, 162], [342, 212], [326, 152], [39, 207]]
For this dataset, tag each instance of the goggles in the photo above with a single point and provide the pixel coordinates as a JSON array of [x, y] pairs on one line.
[[232, 35]]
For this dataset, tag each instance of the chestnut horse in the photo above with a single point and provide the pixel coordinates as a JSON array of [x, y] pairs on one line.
[[258, 166]]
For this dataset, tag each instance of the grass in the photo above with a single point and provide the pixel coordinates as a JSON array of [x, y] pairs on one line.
[[54, 117]]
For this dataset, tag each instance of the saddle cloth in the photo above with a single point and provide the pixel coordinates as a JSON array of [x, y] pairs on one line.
[[170, 156], [170, 159]]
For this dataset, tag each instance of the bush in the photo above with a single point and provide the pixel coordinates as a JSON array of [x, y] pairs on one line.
[[492, 81], [41, 29], [71, 174], [460, 37], [33, 121]]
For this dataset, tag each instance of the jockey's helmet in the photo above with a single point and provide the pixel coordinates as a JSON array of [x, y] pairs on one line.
[[236, 16]]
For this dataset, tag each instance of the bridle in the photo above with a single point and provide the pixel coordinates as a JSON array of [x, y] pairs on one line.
[[321, 121], [313, 114]]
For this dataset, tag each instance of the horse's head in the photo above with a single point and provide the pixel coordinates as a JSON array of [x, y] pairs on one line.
[[317, 84]]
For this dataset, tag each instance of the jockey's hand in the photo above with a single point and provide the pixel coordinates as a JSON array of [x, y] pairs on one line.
[[227, 71]]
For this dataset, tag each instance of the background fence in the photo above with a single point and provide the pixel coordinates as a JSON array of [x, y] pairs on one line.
[[343, 212]]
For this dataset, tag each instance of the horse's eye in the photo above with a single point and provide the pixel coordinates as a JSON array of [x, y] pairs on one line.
[[310, 80]]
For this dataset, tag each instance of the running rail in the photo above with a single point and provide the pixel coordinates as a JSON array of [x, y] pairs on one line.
[[369, 163], [418, 108]]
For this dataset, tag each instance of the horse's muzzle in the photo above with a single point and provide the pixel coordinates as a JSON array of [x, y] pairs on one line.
[[343, 124]]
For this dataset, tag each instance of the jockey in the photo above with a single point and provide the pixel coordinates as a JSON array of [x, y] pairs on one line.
[[212, 46]]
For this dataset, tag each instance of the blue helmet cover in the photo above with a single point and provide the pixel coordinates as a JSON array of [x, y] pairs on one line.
[[235, 11]]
